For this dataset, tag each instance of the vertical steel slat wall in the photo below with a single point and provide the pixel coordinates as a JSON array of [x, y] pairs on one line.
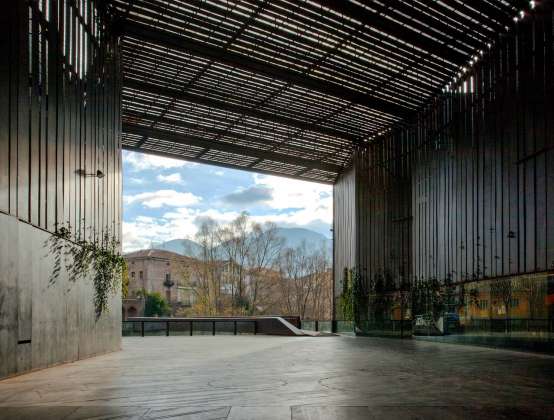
[[467, 191], [344, 227], [59, 113]]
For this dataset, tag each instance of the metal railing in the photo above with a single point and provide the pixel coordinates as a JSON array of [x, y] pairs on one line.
[[326, 325], [406, 328], [318, 325], [186, 326], [388, 327], [510, 325]]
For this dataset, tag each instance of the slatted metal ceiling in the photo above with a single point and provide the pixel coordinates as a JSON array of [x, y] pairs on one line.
[[288, 87]]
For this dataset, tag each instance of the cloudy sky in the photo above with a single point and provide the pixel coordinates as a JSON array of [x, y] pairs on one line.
[[166, 199]]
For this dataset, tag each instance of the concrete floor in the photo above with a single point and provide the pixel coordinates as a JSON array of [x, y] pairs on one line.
[[261, 377]]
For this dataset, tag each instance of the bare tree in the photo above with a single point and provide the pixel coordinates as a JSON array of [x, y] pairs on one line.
[[321, 302], [243, 269], [534, 290], [264, 249], [203, 275], [296, 280], [502, 290], [234, 243], [306, 284]]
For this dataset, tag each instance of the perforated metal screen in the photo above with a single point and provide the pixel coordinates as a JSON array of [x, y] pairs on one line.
[[289, 87]]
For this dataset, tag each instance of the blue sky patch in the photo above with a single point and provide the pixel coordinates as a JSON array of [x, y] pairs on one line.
[[166, 199]]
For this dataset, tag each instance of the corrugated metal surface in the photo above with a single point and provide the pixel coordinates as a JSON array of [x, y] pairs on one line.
[[344, 226], [467, 191], [59, 112]]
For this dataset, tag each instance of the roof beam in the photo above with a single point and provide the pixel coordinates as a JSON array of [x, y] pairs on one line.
[[227, 147], [164, 38], [226, 165], [381, 23], [235, 108], [153, 120], [454, 33]]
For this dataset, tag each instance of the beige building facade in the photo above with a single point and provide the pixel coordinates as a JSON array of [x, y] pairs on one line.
[[161, 271]]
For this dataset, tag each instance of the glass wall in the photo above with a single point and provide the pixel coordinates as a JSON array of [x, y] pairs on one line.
[[513, 311], [509, 311]]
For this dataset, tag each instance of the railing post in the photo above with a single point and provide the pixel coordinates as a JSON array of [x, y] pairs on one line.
[[255, 326], [191, 327], [142, 328], [316, 325], [235, 327], [167, 328], [213, 327], [334, 326]]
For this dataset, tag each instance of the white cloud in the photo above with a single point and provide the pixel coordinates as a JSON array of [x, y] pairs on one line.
[[160, 198], [180, 223], [142, 232], [313, 201], [219, 173], [249, 196], [171, 179], [142, 161], [292, 204], [183, 222]]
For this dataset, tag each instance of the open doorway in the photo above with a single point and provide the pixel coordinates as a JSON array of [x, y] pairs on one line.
[[204, 240]]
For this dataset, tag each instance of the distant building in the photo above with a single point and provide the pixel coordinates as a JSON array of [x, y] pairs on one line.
[[161, 271], [178, 278], [132, 307]]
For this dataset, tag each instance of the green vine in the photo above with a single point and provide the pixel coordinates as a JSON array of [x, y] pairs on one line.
[[350, 297], [82, 257]]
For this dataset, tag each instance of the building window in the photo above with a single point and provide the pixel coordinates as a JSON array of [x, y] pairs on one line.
[[140, 275], [483, 304], [167, 277], [132, 274]]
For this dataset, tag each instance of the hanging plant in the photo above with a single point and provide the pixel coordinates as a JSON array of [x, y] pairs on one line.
[[351, 295], [80, 258]]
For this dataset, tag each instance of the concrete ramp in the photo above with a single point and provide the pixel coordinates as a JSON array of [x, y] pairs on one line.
[[276, 325]]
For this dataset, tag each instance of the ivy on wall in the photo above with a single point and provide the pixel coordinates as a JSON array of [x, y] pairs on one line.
[[349, 303], [99, 257]]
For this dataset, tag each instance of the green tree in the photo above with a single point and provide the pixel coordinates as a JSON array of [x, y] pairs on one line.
[[124, 281], [155, 304]]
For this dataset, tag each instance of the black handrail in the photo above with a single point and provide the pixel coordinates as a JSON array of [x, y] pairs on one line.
[[191, 322]]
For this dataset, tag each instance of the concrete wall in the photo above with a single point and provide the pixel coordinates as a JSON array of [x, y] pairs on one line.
[[44, 324], [59, 118]]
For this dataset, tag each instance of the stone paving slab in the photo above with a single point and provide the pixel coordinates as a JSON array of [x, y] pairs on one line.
[[276, 413], [261, 377]]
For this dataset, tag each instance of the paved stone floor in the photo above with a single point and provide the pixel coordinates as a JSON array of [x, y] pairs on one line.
[[260, 377]]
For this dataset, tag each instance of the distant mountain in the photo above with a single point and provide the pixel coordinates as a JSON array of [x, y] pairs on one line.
[[294, 237], [181, 246]]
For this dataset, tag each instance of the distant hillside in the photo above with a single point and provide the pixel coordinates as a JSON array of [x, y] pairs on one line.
[[181, 246], [294, 237]]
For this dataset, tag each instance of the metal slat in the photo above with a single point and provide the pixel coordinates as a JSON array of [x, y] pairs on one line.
[[151, 34], [226, 147]]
